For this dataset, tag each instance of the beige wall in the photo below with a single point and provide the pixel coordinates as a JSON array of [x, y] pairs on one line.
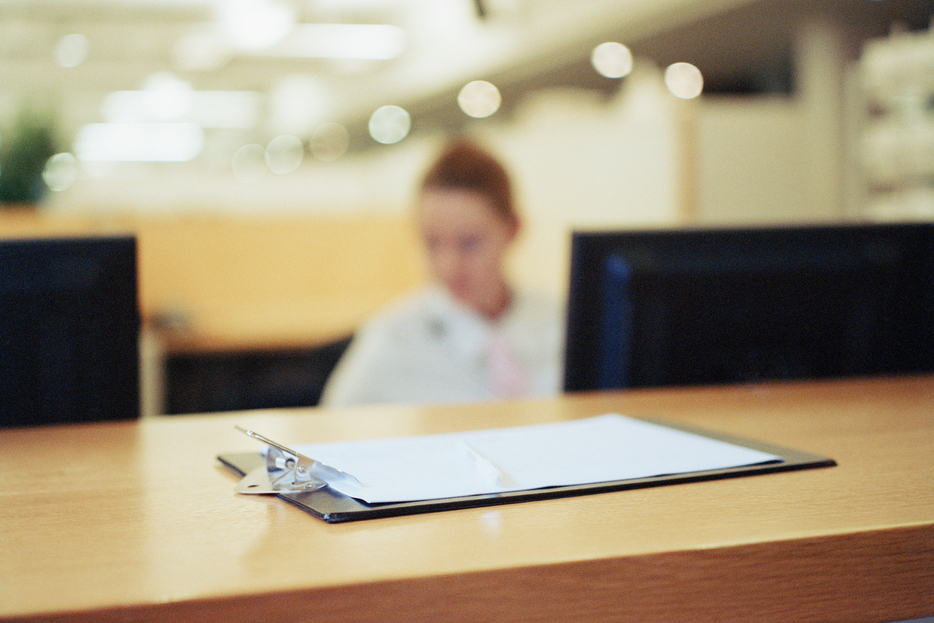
[[753, 163]]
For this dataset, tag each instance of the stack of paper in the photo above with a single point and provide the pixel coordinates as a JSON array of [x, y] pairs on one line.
[[605, 448]]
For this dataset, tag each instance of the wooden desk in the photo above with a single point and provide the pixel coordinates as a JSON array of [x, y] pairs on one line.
[[137, 522]]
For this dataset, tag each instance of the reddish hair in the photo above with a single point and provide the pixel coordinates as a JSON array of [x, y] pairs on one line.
[[464, 165]]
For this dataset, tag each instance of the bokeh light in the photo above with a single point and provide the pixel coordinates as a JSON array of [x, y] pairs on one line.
[[479, 99], [61, 172], [284, 154], [390, 124], [684, 80], [612, 59], [72, 50]]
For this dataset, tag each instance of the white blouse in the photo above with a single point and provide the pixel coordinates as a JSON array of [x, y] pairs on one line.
[[429, 348]]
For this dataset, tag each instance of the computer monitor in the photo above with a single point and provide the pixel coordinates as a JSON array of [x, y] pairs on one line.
[[69, 328], [716, 306]]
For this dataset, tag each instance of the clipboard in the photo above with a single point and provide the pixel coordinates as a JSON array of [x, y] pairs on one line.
[[334, 507]]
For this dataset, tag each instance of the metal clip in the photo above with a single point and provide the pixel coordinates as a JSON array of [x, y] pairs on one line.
[[286, 471]]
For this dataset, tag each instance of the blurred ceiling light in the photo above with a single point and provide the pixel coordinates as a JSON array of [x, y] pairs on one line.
[[72, 50], [284, 154], [612, 60], [390, 124], [341, 41], [139, 142], [479, 99], [166, 97], [256, 24], [249, 163], [684, 80], [209, 109], [61, 171], [329, 141]]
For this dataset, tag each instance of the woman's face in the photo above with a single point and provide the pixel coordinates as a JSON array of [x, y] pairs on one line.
[[467, 241]]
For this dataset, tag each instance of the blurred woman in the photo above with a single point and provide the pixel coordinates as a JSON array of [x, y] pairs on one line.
[[471, 336]]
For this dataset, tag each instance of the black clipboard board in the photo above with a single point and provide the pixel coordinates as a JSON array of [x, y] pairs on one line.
[[334, 507]]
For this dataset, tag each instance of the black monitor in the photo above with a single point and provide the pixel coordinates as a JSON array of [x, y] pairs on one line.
[[717, 306], [69, 328]]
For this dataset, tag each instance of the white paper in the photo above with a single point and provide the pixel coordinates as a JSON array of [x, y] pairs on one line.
[[604, 448]]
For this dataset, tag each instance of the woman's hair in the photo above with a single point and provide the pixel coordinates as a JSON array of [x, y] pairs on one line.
[[464, 165]]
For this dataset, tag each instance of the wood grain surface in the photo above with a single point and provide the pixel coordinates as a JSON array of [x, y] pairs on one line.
[[139, 522]]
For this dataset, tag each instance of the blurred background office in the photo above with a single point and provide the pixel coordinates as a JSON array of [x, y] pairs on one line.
[[256, 146]]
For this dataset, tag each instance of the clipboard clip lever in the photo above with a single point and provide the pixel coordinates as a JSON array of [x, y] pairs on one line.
[[286, 471]]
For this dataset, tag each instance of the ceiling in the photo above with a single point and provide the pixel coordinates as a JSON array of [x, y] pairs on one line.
[[741, 46]]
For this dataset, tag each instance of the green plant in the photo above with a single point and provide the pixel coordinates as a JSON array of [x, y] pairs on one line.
[[24, 151]]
